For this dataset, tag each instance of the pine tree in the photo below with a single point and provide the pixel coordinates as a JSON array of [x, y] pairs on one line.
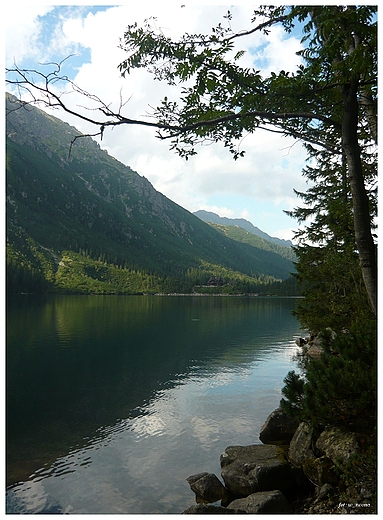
[[328, 267], [340, 388]]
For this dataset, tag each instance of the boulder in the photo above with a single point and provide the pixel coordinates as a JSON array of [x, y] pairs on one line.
[[203, 509], [314, 351], [338, 445], [320, 471], [207, 487], [249, 469], [197, 476], [262, 502], [301, 445], [326, 491], [278, 428]]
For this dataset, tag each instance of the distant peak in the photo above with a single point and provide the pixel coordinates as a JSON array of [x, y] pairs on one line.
[[209, 216]]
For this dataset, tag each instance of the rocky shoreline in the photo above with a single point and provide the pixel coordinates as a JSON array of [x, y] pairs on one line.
[[293, 469]]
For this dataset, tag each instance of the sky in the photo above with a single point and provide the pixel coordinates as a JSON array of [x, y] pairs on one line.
[[258, 187]]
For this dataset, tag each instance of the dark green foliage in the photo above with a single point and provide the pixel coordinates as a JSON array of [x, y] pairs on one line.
[[289, 287], [340, 388], [332, 286], [293, 394], [23, 278], [328, 266]]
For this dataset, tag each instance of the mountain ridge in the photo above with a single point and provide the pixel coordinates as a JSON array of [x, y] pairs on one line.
[[209, 216], [103, 218]]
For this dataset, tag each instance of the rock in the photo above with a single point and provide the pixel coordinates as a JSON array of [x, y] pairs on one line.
[[203, 509], [316, 343], [278, 428], [314, 351], [207, 487], [249, 469], [320, 470], [262, 502], [338, 445], [300, 342], [301, 445], [197, 476], [325, 491]]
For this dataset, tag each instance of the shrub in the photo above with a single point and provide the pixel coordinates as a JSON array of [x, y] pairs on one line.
[[340, 388]]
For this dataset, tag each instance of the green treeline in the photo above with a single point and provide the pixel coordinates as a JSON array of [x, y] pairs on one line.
[[37, 270], [32, 268]]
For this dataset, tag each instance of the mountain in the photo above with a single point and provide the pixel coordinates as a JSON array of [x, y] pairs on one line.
[[208, 216], [241, 235], [80, 221]]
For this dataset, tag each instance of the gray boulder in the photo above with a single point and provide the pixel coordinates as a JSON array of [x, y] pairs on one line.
[[278, 428], [249, 469], [262, 502], [207, 487], [301, 444], [338, 445], [320, 471], [326, 491]]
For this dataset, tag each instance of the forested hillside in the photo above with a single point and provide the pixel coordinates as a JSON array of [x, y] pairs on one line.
[[209, 216], [80, 221], [241, 235]]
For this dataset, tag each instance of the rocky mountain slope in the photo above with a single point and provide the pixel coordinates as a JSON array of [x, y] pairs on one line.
[[80, 221]]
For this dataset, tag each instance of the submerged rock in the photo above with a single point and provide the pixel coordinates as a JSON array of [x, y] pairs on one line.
[[249, 469]]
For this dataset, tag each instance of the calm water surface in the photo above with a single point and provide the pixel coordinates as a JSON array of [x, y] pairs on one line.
[[112, 401]]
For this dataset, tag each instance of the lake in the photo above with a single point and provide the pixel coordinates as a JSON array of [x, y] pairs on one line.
[[113, 401]]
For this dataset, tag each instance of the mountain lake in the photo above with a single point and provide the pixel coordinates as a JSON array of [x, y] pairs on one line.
[[113, 401]]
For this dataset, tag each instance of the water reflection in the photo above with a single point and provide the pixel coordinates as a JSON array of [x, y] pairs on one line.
[[101, 390]]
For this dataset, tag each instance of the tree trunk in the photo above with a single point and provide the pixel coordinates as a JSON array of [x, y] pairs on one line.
[[362, 221]]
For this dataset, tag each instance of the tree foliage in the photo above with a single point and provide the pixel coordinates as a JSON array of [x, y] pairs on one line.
[[327, 267], [329, 103], [340, 388]]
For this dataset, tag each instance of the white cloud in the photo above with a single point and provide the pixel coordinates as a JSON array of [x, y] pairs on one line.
[[22, 29], [279, 52], [267, 174]]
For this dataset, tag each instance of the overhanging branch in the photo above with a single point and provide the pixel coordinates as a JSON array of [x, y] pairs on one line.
[[51, 99]]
